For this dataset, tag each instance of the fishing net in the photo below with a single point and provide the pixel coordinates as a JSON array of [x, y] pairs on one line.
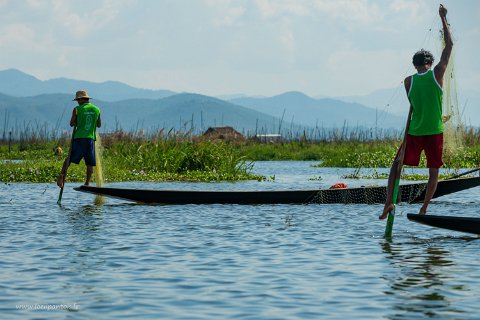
[[98, 168], [453, 126], [369, 195], [98, 159]]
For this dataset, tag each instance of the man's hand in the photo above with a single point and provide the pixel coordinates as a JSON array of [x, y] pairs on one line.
[[442, 11]]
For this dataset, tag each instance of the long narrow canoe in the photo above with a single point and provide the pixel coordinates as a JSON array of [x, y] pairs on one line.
[[462, 224], [414, 192]]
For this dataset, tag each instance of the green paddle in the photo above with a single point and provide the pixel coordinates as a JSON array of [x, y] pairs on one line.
[[397, 171], [65, 168]]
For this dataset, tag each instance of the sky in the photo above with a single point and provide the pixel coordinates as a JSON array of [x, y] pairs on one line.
[[221, 47]]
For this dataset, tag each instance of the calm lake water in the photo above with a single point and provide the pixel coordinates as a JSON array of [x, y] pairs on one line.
[[122, 260]]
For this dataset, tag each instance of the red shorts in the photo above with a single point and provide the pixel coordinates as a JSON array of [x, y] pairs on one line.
[[431, 144]]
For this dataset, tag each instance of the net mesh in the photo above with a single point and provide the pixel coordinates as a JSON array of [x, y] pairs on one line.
[[453, 126], [98, 159], [369, 195], [98, 168]]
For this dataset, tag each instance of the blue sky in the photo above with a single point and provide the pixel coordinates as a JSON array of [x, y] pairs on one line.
[[218, 47]]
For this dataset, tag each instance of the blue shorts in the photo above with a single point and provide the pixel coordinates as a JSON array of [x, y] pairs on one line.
[[83, 148]]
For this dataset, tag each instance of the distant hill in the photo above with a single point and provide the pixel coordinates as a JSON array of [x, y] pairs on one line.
[[19, 84], [186, 111], [395, 101], [325, 112], [28, 101], [182, 112]]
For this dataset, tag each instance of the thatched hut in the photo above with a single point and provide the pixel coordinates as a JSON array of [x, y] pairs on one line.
[[223, 133]]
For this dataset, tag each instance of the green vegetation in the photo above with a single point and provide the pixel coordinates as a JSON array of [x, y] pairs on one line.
[[175, 160], [295, 150], [129, 158], [347, 154], [357, 155], [131, 161]]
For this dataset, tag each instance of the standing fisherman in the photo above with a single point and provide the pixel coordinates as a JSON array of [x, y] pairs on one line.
[[85, 121], [424, 91]]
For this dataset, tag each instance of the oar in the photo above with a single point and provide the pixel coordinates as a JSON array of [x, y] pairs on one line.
[[462, 174], [65, 168], [397, 171]]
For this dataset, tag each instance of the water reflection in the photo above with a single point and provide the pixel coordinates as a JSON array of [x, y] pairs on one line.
[[87, 217], [421, 277], [87, 257]]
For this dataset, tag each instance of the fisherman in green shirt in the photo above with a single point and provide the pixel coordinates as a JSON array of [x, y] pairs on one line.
[[425, 132], [85, 120]]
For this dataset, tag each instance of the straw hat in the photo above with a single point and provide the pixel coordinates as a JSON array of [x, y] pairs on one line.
[[81, 94]]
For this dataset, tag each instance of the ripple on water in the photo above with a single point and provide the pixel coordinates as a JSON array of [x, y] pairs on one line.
[[231, 261]]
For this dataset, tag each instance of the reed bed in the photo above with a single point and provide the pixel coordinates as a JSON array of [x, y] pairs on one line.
[[128, 157], [163, 155]]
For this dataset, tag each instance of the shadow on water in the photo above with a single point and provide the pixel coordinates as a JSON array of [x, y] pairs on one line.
[[420, 278], [87, 259], [85, 218]]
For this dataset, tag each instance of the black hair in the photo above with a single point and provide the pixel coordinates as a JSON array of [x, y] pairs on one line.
[[422, 57]]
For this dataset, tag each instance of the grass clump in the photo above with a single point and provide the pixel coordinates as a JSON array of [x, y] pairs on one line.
[[162, 160]]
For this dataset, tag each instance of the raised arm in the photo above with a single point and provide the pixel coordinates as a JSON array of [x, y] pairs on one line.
[[447, 51]]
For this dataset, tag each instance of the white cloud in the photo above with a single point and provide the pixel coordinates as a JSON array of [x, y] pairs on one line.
[[37, 4], [81, 23], [411, 12], [278, 8], [353, 11], [355, 71], [227, 13], [287, 39], [255, 46], [405, 5], [17, 35]]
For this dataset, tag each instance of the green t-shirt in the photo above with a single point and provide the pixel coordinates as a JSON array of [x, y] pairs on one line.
[[425, 95], [87, 117]]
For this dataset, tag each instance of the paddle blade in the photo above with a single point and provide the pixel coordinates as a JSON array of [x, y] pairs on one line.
[[391, 214], [59, 201], [389, 226]]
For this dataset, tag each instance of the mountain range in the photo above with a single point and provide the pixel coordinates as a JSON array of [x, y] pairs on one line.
[[394, 101], [297, 107], [182, 112], [19, 84], [27, 102]]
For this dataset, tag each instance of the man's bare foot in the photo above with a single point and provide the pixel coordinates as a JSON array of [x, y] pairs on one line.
[[386, 210], [423, 210], [61, 181]]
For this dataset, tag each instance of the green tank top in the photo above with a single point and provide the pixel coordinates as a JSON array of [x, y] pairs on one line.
[[87, 116], [425, 95]]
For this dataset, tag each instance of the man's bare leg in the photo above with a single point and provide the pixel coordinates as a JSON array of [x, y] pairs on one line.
[[431, 188], [89, 175], [391, 181], [63, 173]]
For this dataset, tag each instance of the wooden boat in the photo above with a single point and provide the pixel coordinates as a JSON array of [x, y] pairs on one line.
[[462, 224], [414, 192]]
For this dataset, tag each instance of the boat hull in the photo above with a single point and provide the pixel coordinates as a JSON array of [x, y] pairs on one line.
[[461, 224], [411, 193]]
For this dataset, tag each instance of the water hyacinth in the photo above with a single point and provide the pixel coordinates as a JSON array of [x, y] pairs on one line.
[[162, 160], [130, 158]]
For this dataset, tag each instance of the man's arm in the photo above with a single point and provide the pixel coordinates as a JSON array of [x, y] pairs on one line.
[[408, 83], [447, 51], [73, 119], [99, 121]]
